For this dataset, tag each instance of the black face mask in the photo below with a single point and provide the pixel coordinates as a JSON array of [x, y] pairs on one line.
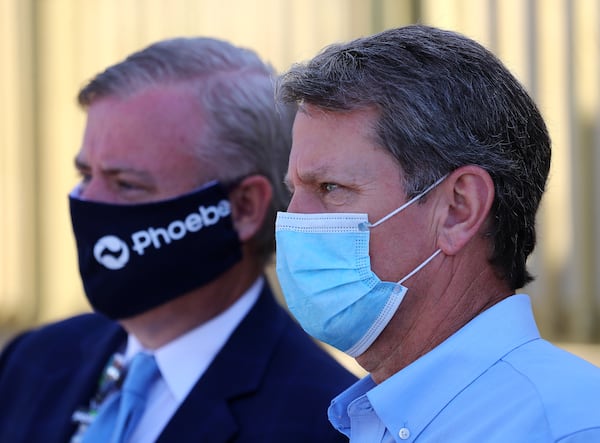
[[133, 258]]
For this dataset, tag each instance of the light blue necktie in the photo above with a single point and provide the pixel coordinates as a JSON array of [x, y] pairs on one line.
[[118, 416]]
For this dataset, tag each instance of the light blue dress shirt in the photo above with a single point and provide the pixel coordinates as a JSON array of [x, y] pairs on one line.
[[495, 380]]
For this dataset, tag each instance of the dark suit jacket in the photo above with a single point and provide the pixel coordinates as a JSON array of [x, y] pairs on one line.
[[269, 384]]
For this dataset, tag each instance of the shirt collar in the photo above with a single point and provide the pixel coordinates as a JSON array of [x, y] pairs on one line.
[[416, 394], [205, 340], [338, 410]]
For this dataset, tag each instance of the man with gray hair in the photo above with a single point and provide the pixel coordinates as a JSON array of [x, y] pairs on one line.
[[181, 167], [417, 167]]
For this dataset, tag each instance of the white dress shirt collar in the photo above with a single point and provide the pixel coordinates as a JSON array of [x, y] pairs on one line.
[[184, 360]]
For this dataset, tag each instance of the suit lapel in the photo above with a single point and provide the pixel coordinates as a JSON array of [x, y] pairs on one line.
[[237, 370]]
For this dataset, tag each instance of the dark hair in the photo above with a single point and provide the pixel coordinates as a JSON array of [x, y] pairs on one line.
[[443, 101], [247, 132]]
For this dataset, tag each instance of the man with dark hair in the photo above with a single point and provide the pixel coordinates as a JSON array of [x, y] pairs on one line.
[[181, 167], [417, 167]]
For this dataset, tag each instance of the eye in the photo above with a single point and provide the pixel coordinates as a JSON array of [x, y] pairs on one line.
[[84, 176], [327, 188], [129, 183], [126, 186], [335, 195]]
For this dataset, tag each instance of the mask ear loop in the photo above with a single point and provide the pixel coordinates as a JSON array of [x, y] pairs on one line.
[[421, 266], [367, 225]]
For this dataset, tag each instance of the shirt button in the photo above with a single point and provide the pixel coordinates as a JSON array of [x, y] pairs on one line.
[[404, 433]]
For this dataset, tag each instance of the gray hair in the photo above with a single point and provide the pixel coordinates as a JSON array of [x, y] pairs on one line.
[[443, 101], [248, 133]]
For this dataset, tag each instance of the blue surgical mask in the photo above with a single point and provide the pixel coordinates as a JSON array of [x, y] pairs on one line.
[[324, 269]]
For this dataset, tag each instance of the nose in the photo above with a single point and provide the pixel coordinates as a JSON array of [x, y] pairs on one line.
[[295, 202], [301, 202], [292, 205]]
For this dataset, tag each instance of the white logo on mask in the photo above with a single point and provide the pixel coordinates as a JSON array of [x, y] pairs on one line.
[[177, 229], [111, 252]]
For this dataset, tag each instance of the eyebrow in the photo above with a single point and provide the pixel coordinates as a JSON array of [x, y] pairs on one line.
[[316, 175], [113, 170], [80, 164], [287, 182]]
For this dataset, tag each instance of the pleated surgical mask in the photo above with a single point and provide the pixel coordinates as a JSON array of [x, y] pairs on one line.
[[324, 269]]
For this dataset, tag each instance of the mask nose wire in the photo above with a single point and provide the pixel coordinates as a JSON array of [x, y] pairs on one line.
[[364, 226]]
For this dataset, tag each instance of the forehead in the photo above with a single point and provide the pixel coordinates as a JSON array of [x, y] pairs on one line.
[[159, 108], [157, 129], [343, 142], [167, 116]]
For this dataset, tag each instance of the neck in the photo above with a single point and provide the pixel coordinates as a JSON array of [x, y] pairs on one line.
[[165, 323], [425, 320]]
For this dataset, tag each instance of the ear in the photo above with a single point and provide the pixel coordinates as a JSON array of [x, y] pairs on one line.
[[468, 194], [249, 205]]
